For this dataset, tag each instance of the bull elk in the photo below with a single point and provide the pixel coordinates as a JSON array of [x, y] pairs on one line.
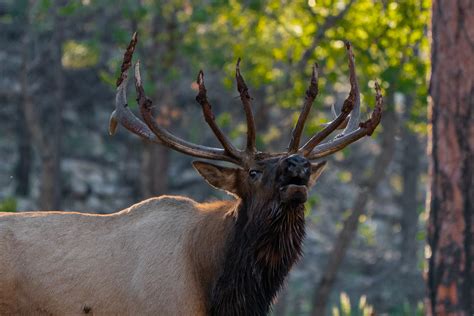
[[171, 255]]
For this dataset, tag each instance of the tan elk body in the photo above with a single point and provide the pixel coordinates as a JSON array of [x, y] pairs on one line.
[[171, 255], [158, 255]]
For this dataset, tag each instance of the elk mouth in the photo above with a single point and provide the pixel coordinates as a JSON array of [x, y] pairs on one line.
[[294, 190]]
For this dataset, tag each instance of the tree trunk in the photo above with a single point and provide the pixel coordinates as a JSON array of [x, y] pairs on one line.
[[51, 173], [46, 140], [50, 191], [349, 229], [408, 202], [451, 199], [25, 155], [155, 159], [155, 162]]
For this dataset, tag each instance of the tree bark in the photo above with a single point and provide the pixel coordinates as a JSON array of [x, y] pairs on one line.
[[50, 193], [451, 148], [349, 229], [410, 171], [155, 159], [154, 165], [25, 153]]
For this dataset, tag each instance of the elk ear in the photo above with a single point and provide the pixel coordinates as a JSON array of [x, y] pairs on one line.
[[219, 177], [316, 170]]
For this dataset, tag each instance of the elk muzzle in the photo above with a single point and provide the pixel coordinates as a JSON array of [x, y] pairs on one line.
[[295, 172]]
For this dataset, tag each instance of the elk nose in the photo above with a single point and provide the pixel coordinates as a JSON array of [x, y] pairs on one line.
[[297, 166]]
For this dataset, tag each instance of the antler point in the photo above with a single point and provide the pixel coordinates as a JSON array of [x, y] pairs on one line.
[[200, 77], [348, 44], [237, 66]]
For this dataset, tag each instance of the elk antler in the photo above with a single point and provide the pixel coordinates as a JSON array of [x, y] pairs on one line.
[[353, 131], [364, 129], [352, 100], [152, 131]]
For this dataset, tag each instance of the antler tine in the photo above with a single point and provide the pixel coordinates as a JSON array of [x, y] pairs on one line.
[[245, 97], [365, 129], [354, 118], [122, 114], [343, 124], [201, 98], [311, 94], [127, 59], [353, 100], [333, 111], [169, 139]]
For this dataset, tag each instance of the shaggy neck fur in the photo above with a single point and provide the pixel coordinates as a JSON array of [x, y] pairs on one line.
[[266, 243]]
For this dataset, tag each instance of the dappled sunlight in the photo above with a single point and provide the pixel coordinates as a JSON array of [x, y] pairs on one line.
[[78, 55]]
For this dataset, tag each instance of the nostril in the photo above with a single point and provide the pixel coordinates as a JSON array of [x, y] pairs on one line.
[[303, 172], [296, 166]]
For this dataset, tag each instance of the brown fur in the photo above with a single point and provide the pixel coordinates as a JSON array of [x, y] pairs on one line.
[[155, 257]]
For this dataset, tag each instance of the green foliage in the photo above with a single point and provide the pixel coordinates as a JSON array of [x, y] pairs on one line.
[[311, 203], [70, 8], [406, 309], [366, 231], [78, 55], [224, 120], [8, 205], [344, 308], [388, 37], [274, 42]]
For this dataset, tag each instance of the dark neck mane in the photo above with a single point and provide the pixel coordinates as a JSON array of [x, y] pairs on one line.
[[259, 256]]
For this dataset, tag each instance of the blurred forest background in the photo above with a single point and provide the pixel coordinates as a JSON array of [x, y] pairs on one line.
[[366, 216]]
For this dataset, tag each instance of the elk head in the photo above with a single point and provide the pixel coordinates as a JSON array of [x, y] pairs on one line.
[[271, 187]]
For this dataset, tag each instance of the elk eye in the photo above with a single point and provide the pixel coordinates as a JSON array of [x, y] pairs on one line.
[[254, 174]]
